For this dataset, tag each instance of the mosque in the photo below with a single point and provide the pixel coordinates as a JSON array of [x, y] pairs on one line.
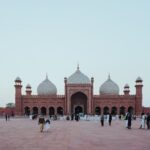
[[78, 97]]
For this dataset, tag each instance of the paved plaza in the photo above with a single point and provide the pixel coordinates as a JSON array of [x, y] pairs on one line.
[[23, 134]]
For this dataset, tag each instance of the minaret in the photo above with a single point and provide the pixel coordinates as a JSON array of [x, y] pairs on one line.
[[92, 100], [126, 89], [138, 101], [28, 89], [18, 94], [66, 104]]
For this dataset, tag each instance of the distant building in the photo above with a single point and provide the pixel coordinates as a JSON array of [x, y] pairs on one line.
[[78, 97], [7, 110]]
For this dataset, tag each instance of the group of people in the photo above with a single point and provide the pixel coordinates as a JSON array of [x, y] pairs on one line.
[[109, 119], [7, 117], [73, 116], [43, 123], [145, 120]]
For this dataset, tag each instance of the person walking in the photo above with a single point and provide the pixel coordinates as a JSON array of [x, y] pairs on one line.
[[129, 120], [41, 122], [77, 117], [6, 117], [126, 120], [142, 126], [72, 116], [102, 120], [110, 119], [148, 120], [47, 124]]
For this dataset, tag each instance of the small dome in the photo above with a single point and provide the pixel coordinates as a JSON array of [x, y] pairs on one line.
[[139, 79], [126, 86], [78, 78], [46, 88], [109, 87], [18, 79], [28, 86]]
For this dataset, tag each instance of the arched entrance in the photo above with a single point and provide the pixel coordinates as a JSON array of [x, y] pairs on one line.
[[105, 110], [35, 111], [51, 111], [60, 111], [79, 103], [114, 111], [122, 110], [27, 111], [78, 109], [97, 110], [130, 110], [43, 111]]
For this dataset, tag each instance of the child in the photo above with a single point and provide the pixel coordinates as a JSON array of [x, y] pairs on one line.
[[47, 124]]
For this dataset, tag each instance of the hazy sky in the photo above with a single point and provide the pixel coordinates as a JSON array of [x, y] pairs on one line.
[[39, 37]]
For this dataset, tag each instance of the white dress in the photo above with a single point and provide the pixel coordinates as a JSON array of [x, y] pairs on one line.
[[143, 121], [47, 126], [126, 120]]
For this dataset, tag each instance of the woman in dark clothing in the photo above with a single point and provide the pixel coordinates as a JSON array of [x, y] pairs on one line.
[[102, 120], [129, 120], [110, 119], [148, 120]]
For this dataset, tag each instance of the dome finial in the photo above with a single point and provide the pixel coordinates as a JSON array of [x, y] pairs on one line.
[[46, 76], [109, 76], [78, 66]]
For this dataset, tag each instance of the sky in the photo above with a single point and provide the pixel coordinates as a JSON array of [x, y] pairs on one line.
[[39, 37]]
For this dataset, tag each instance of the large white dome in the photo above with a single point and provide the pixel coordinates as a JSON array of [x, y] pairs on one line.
[[109, 87], [78, 78], [46, 88]]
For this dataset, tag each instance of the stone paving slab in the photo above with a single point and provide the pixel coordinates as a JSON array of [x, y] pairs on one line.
[[24, 134]]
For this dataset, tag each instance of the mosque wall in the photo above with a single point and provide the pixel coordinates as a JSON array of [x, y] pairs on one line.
[[146, 110]]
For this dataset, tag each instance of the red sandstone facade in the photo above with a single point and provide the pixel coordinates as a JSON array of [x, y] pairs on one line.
[[77, 98], [6, 110]]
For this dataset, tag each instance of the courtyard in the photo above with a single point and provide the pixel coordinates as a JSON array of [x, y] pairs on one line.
[[23, 134]]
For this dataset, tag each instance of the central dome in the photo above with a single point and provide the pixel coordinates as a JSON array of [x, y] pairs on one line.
[[46, 88], [109, 87], [78, 78]]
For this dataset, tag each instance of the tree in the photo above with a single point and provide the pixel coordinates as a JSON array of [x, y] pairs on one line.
[[10, 105]]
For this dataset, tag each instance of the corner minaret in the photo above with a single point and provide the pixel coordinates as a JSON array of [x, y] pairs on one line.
[[65, 81], [138, 104], [18, 93], [92, 100]]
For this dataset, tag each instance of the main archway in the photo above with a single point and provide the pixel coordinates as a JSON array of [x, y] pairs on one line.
[[79, 103]]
